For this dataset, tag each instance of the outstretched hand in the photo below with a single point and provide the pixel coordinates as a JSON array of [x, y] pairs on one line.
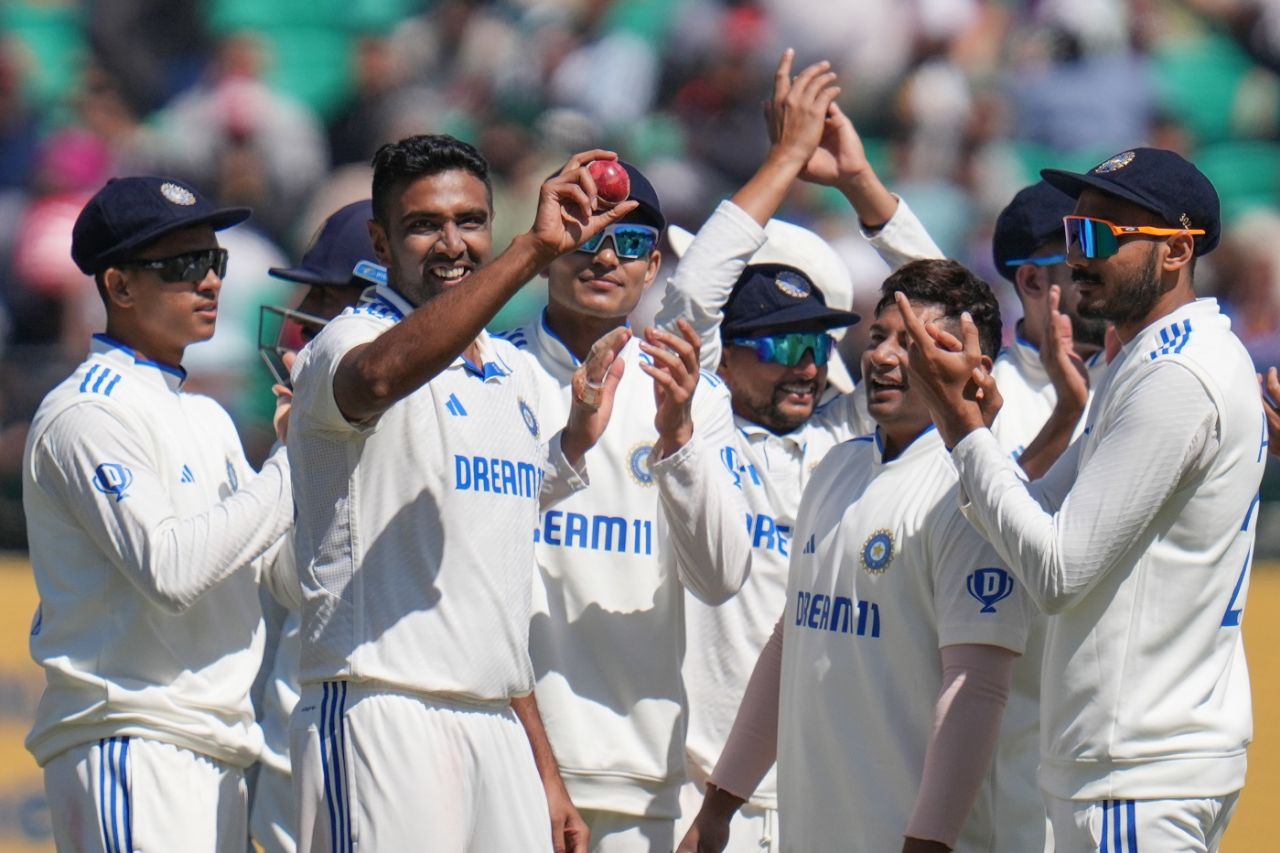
[[675, 371], [797, 114], [1066, 369], [949, 372], [594, 384], [569, 212]]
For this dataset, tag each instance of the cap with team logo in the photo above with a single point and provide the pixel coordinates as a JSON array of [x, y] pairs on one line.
[[1032, 220], [1159, 180], [340, 251], [129, 213], [771, 299]]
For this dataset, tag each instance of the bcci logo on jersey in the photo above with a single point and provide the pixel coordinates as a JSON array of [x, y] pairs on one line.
[[112, 478], [990, 587], [877, 552], [639, 462], [529, 419]]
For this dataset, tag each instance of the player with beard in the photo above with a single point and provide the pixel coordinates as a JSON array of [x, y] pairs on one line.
[[1140, 537]]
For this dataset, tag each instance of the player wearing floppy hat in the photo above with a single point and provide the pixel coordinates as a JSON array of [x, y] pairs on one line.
[[1140, 538], [148, 532]]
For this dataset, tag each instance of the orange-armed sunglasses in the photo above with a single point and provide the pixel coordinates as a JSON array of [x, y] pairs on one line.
[[1099, 238]]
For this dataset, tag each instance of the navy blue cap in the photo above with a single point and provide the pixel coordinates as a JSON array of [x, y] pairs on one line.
[[770, 299], [1031, 220], [129, 213], [1159, 180], [337, 249], [650, 209]]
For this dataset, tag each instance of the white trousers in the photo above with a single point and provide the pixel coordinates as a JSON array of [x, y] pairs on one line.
[[1149, 826], [613, 832], [122, 794], [273, 820], [386, 770]]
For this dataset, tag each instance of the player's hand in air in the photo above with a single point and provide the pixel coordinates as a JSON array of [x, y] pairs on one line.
[[1066, 369], [797, 114], [675, 371], [568, 210], [948, 371], [284, 401], [1271, 408], [593, 387]]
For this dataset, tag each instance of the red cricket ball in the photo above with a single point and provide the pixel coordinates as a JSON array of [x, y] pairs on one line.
[[613, 184]]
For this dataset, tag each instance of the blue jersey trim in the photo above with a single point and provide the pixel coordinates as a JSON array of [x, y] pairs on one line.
[[547, 328], [167, 368]]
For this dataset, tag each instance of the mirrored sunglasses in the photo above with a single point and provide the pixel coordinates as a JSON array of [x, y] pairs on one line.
[[789, 349], [189, 266], [1099, 238], [630, 240]]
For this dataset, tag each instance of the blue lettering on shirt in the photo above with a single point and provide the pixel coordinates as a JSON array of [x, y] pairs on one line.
[[612, 533], [821, 612], [768, 535], [497, 476], [112, 478]]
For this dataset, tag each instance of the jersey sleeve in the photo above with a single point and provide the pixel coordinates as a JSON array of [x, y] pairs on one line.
[[314, 406], [903, 239], [100, 466], [702, 512], [977, 599], [706, 275], [1060, 555]]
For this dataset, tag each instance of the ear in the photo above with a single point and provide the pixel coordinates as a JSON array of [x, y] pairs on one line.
[[1029, 282], [381, 243], [651, 271], [986, 362], [117, 288], [1181, 249]]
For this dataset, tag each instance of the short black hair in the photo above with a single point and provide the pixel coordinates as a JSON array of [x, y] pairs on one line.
[[418, 156], [952, 287]]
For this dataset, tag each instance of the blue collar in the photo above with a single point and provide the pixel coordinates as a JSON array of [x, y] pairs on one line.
[[174, 375]]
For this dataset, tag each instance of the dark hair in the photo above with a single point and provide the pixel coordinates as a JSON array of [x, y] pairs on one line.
[[418, 156], [953, 288]]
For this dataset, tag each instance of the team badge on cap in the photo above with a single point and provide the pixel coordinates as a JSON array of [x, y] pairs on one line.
[[530, 420], [1115, 164], [177, 194], [878, 552], [792, 284], [639, 464]]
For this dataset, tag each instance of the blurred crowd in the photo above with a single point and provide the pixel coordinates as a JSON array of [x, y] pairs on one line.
[[279, 105]]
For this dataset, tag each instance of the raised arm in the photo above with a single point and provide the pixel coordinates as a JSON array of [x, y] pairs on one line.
[[374, 376], [703, 516]]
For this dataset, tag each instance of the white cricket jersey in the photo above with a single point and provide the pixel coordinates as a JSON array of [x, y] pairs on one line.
[[145, 521], [771, 470], [885, 571], [414, 531], [1029, 396], [1140, 541], [607, 637]]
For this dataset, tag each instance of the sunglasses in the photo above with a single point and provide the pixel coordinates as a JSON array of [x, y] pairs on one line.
[[630, 241], [189, 266], [1047, 261], [788, 350], [1098, 238]]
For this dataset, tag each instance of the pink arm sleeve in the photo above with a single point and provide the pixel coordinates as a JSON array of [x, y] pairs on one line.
[[753, 741], [966, 726]]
